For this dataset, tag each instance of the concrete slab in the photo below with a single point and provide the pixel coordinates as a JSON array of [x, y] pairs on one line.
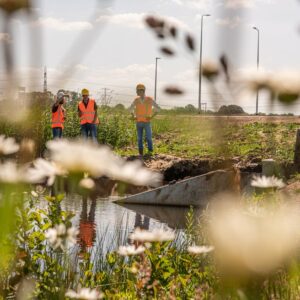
[[195, 191]]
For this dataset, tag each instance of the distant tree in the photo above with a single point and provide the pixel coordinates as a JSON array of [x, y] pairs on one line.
[[190, 108], [119, 107], [231, 110]]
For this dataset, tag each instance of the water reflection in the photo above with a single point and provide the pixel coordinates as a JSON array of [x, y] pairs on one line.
[[141, 221], [174, 217], [87, 225]]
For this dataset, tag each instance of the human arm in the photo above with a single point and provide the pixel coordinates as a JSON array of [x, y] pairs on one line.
[[64, 112], [55, 105], [132, 110], [96, 110], [156, 109], [79, 112]]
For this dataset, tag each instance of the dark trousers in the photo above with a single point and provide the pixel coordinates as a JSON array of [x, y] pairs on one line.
[[57, 132], [89, 130]]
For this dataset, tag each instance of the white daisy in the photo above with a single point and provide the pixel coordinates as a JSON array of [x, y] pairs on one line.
[[130, 250], [87, 183], [157, 235], [44, 170], [79, 157], [8, 145], [85, 293], [267, 182], [200, 249], [10, 173]]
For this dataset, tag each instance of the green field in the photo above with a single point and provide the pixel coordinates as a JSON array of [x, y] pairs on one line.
[[186, 136]]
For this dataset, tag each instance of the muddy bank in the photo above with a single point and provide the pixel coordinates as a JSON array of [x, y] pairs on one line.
[[175, 169]]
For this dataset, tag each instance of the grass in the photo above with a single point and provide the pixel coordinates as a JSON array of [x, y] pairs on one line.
[[187, 136]]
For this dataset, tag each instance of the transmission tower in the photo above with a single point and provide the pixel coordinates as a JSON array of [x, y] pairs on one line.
[[45, 79], [106, 96]]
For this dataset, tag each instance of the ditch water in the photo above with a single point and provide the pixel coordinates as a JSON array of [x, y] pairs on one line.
[[103, 225]]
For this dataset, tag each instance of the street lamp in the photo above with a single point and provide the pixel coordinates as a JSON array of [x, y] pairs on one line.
[[200, 67], [255, 28], [155, 86]]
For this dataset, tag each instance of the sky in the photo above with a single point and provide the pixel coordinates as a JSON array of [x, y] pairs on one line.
[[105, 46]]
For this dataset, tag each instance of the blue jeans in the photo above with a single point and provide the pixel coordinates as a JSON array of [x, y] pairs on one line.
[[57, 132], [89, 130], [140, 127]]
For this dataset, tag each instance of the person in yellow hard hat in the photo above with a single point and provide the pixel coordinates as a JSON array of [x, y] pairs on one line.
[[143, 109], [87, 112]]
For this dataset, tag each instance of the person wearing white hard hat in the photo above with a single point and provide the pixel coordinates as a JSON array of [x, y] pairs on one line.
[[58, 115]]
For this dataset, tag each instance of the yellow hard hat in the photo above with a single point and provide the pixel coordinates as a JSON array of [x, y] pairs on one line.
[[85, 92], [140, 86]]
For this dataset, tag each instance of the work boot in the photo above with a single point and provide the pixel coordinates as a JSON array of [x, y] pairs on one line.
[[141, 153]]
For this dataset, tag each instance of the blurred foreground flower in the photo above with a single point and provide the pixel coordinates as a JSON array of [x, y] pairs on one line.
[[11, 6], [253, 244], [44, 170], [85, 293], [157, 235], [130, 250], [78, 157], [87, 183], [34, 194], [210, 70], [267, 182], [10, 173], [8, 145], [25, 289], [200, 249], [59, 236], [285, 86]]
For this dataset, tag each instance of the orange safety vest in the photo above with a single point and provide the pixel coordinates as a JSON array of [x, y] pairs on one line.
[[88, 113], [143, 110], [58, 118], [87, 233]]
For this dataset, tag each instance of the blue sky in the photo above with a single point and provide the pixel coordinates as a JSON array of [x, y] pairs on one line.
[[106, 45]]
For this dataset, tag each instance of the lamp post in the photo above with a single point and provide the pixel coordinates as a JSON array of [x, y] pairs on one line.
[[255, 28], [155, 83], [200, 67]]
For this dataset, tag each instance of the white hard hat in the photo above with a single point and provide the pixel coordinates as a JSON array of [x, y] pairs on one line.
[[60, 95]]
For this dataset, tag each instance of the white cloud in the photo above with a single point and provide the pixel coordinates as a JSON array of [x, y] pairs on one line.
[[81, 67], [134, 20], [229, 22], [62, 25], [197, 4], [207, 5], [235, 4]]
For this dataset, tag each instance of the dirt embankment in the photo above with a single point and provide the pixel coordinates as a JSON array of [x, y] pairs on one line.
[[251, 119], [175, 168]]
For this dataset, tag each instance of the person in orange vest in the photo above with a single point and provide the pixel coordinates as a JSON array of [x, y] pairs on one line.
[[87, 112], [58, 115], [143, 109], [87, 225]]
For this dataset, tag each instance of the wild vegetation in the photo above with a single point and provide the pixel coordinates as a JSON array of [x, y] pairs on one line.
[[241, 247], [179, 134]]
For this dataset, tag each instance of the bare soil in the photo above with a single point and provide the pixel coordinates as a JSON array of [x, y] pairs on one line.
[[251, 119]]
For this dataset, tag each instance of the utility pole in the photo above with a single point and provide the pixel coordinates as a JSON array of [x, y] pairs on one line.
[[257, 65], [200, 66], [45, 80], [155, 82]]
